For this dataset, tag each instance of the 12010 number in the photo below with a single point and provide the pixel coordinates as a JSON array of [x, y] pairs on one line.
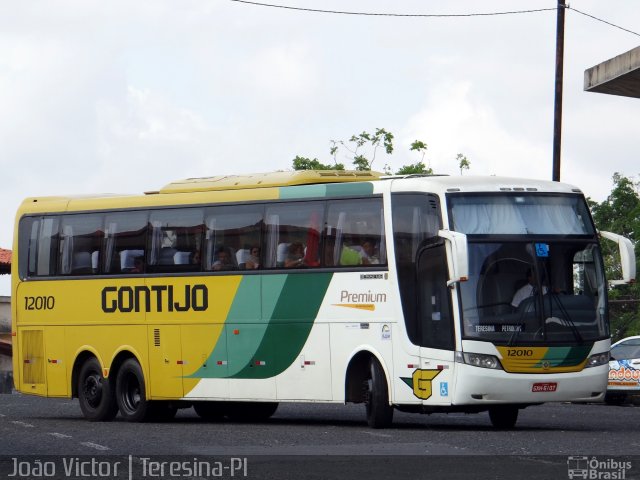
[[516, 352], [39, 303]]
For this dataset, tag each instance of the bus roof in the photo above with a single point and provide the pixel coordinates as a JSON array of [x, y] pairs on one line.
[[303, 184], [485, 184], [265, 180]]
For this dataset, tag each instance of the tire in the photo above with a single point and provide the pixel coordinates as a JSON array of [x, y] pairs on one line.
[[96, 395], [503, 417], [250, 411], [379, 412], [210, 411], [130, 393]]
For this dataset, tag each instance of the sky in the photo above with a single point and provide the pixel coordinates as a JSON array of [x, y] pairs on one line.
[[125, 97]]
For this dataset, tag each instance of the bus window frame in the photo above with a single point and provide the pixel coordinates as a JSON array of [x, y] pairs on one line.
[[101, 274]]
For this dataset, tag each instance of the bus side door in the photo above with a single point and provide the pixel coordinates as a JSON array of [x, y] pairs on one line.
[[434, 379]]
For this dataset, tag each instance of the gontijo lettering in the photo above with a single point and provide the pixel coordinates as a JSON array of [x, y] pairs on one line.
[[157, 298]]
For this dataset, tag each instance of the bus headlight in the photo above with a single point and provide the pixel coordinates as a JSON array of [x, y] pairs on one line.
[[479, 360], [597, 360]]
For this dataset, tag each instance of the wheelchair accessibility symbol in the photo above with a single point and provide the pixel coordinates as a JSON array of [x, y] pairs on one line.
[[444, 389]]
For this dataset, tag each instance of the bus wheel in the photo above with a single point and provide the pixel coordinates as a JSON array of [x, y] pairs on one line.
[[130, 392], [97, 401], [503, 417], [250, 411], [209, 411], [379, 412]]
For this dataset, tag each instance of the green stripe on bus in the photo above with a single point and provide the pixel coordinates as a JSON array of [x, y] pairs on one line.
[[289, 326], [247, 322], [566, 356], [268, 324], [243, 330], [328, 190]]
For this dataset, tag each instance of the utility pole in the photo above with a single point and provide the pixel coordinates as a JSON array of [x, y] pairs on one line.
[[557, 117]]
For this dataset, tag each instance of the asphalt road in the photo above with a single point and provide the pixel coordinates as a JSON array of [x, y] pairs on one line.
[[311, 434]]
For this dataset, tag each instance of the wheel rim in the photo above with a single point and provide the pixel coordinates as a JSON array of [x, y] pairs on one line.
[[92, 389], [131, 393]]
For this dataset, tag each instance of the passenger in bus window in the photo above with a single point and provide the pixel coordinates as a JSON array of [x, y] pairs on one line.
[[253, 261], [138, 265], [222, 260], [368, 252], [350, 255], [295, 256]]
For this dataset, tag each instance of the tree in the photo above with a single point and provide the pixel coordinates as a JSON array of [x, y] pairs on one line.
[[620, 213], [463, 162], [413, 169], [363, 149], [355, 144], [304, 163], [418, 167]]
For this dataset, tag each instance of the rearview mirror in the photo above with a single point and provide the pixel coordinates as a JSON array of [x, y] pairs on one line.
[[627, 258], [457, 252]]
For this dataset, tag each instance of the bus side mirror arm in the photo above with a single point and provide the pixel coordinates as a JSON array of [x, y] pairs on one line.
[[459, 255], [627, 258]]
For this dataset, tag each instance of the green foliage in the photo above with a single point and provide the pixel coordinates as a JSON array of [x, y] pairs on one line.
[[362, 150], [371, 141], [304, 163], [463, 162], [362, 163], [624, 324], [620, 213], [418, 146], [414, 168]]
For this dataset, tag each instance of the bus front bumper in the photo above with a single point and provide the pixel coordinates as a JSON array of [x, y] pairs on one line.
[[477, 386]]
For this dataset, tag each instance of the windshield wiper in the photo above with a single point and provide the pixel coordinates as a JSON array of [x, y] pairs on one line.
[[566, 318]]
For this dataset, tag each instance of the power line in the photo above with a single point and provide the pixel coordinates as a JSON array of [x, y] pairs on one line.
[[431, 15], [374, 14], [603, 21]]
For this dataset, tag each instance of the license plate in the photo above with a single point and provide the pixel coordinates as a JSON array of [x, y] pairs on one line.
[[544, 387]]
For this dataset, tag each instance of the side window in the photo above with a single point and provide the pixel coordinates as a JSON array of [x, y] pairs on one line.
[[125, 240], [233, 238], [416, 218], [355, 233], [293, 235], [80, 242], [176, 240], [42, 251]]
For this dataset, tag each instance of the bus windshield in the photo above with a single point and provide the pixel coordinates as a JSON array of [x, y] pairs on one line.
[[535, 269], [534, 291]]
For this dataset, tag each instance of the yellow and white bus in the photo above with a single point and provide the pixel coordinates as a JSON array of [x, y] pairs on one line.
[[231, 294]]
